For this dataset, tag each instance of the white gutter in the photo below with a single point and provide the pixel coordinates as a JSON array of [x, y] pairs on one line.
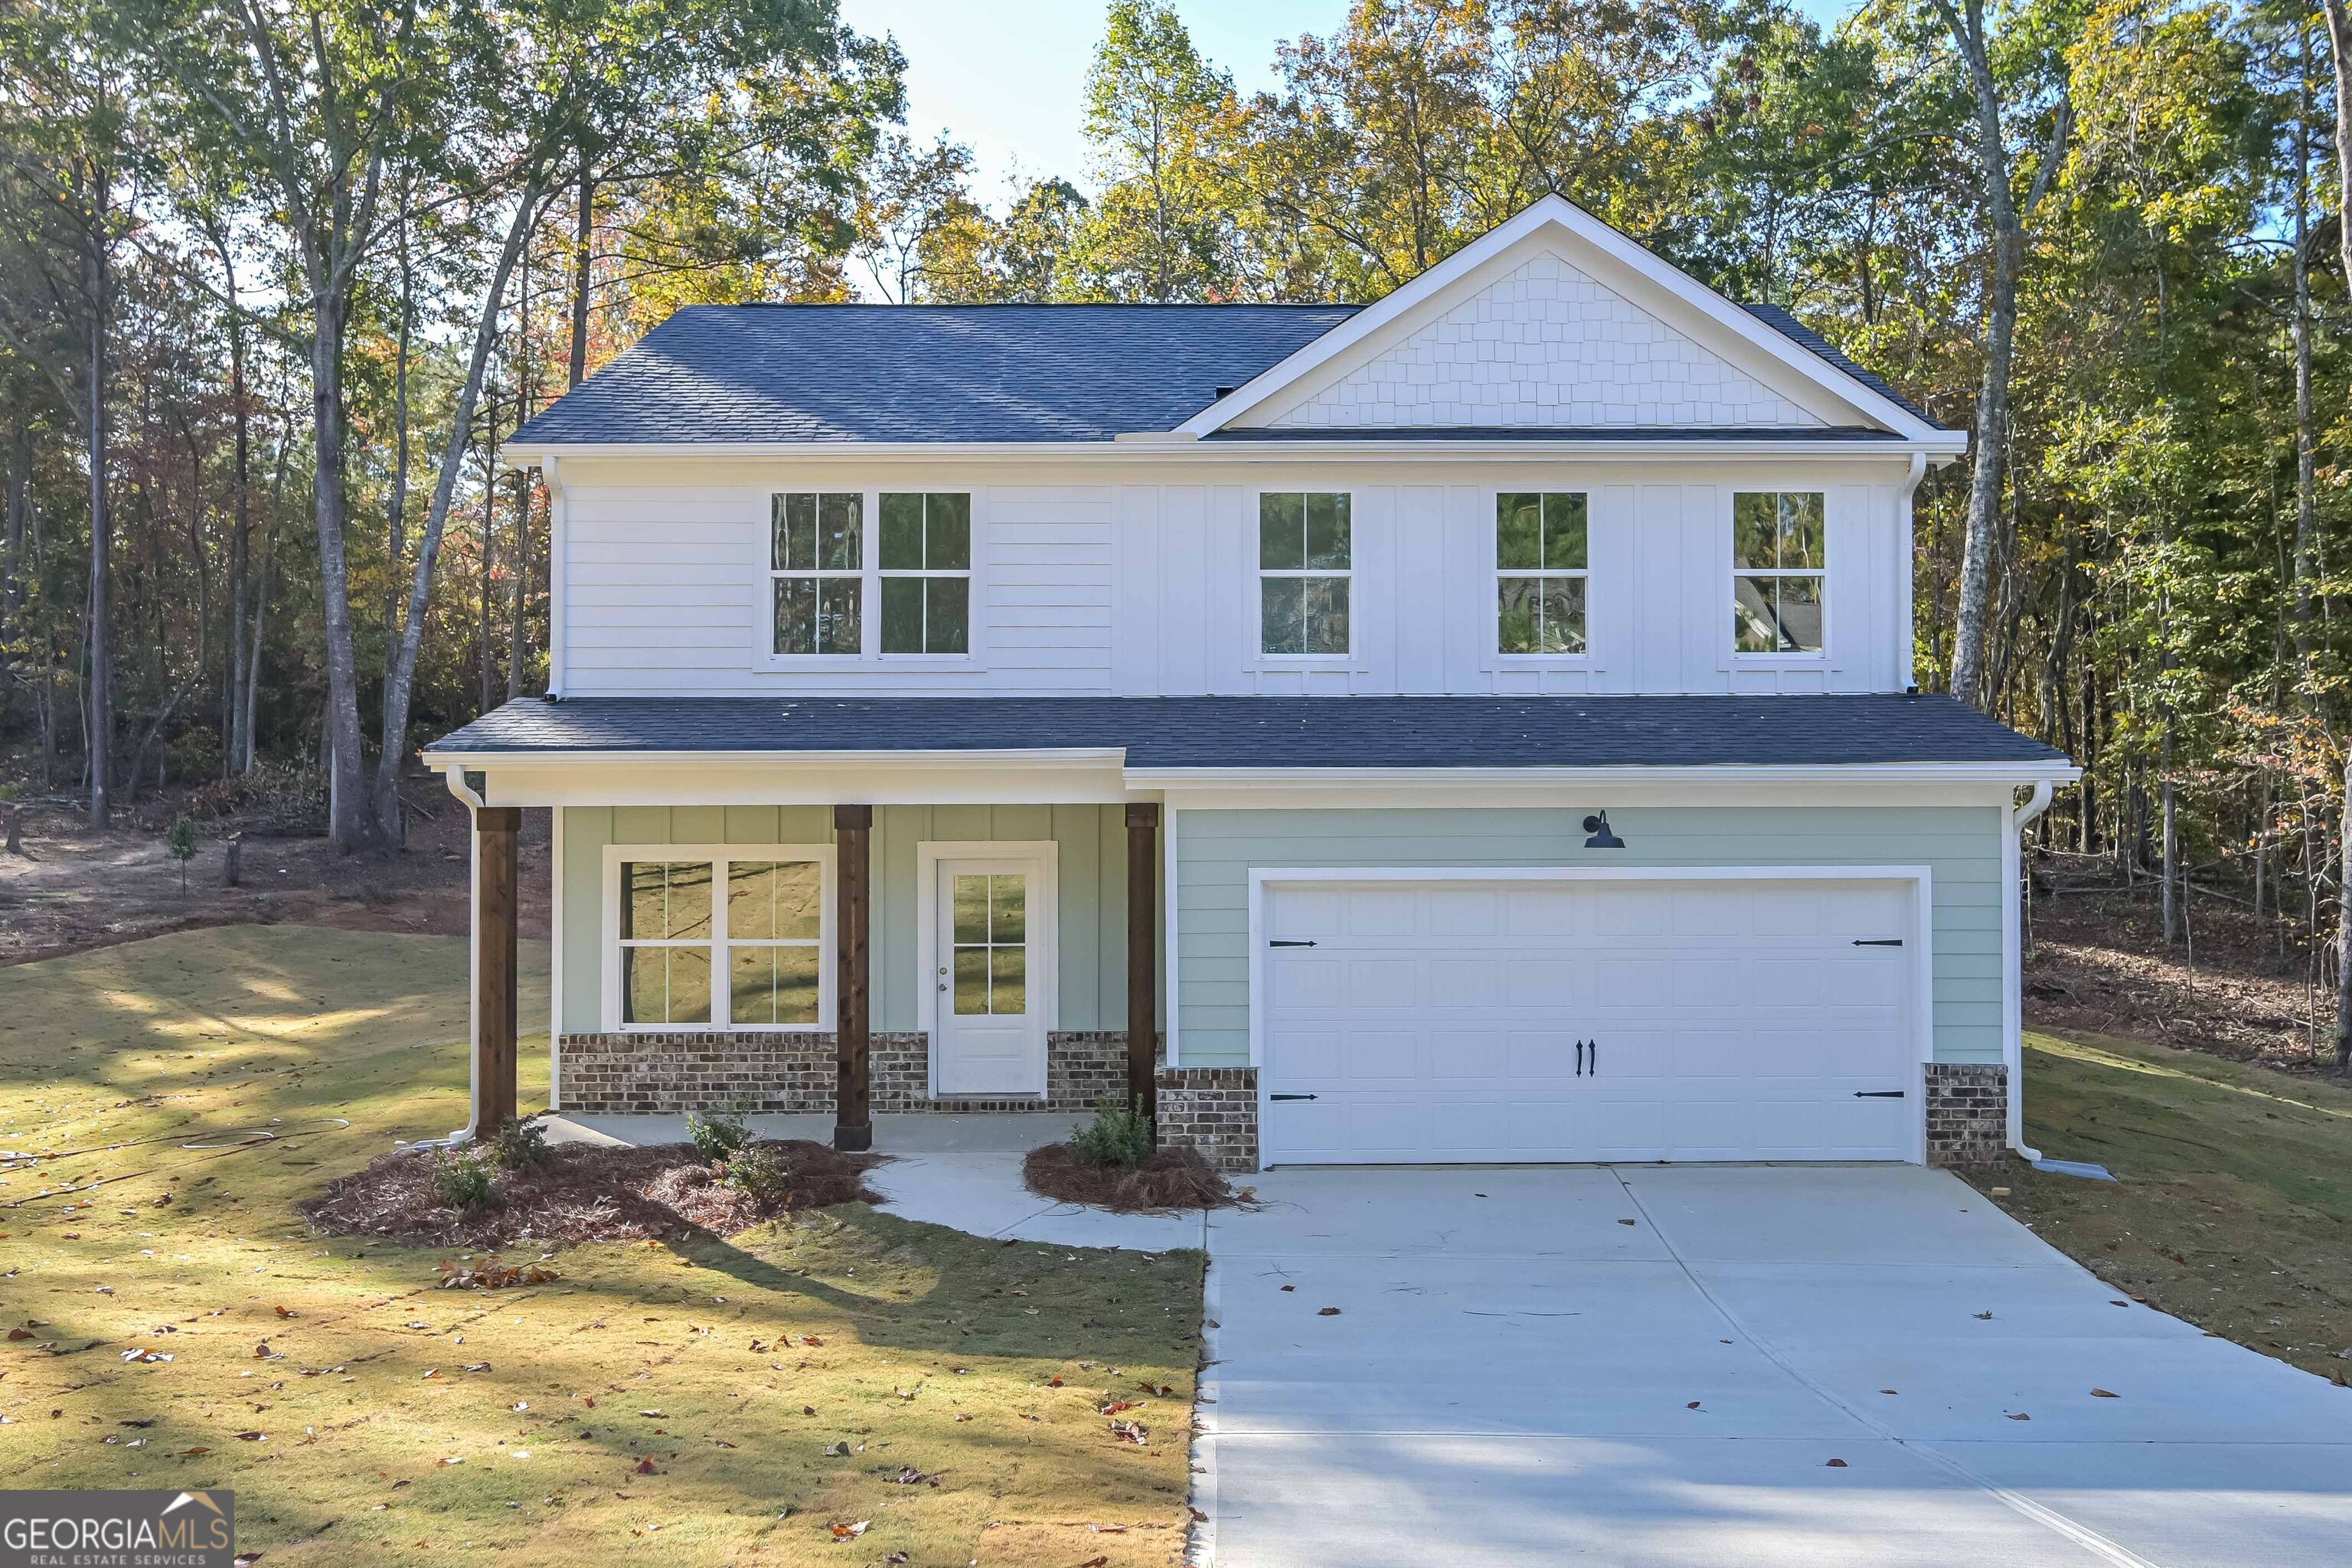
[[1618, 776], [456, 776], [1126, 448]]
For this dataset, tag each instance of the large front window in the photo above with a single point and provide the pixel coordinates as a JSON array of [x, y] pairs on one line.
[[826, 581], [722, 942], [1305, 558], [1779, 565]]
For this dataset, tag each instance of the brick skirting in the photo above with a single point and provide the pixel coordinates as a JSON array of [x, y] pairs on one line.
[[1214, 1109], [652, 1074], [1968, 1113]]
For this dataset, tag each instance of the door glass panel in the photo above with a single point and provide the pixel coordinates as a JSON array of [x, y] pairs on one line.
[[990, 925]]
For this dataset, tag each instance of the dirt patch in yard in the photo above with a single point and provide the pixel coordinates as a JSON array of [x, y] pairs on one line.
[[583, 1193], [1170, 1181]]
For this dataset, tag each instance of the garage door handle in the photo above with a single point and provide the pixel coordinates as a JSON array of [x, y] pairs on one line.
[[1878, 941], [1878, 1094], [1290, 1097], [1280, 943], [1580, 1058]]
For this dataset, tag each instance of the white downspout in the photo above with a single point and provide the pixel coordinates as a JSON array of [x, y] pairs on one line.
[[2014, 961], [455, 775], [558, 516], [1903, 586]]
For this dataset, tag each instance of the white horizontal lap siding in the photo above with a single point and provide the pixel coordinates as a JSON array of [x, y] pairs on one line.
[[664, 588], [1216, 849]]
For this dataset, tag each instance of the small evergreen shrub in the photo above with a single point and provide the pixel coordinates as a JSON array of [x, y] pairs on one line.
[[1120, 1138], [462, 1178], [720, 1135], [520, 1144], [758, 1170]]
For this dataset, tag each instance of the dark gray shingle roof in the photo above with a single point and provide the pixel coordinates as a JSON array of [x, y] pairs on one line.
[[777, 373], [1282, 732], [1797, 332], [926, 372]]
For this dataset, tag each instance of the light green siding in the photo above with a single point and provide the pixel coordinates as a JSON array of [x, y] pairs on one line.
[[1216, 849], [1092, 892]]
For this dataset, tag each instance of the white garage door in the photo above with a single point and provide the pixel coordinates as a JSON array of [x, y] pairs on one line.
[[1502, 1020]]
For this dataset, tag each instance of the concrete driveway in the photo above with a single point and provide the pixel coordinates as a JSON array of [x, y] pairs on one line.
[[1518, 1374]]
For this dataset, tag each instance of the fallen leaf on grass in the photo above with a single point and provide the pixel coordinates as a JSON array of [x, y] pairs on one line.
[[848, 1531], [911, 1477], [2021, 1416], [253, 1437], [286, 1312], [1692, 1406], [2104, 1394], [1094, 1562], [1114, 1407], [1835, 1465], [1134, 1432], [194, 1453], [20, 1333], [484, 1366], [648, 1467], [1326, 1311]]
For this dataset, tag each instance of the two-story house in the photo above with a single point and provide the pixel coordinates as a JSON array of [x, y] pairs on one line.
[[1477, 726]]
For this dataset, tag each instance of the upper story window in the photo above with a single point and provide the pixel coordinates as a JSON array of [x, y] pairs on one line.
[[915, 579], [926, 563], [1540, 569], [1779, 564], [1306, 565], [816, 544]]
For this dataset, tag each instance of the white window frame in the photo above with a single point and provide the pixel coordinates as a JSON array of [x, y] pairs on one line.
[[1728, 553], [1497, 571], [1259, 575], [718, 855], [870, 657]]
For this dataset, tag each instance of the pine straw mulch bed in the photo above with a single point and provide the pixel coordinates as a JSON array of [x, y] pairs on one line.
[[583, 1193], [1168, 1181]]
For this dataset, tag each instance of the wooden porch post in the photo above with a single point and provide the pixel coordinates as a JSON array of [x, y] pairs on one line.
[[496, 829], [1143, 957], [853, 1119]]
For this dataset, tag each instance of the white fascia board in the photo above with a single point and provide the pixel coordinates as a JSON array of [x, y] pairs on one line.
[[1556, 211], [1436, 448], [772, 778], [1111, 755]]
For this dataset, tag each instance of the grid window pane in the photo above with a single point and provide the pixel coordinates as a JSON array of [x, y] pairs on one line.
[[1518, 532], [793, 546], [666, 900], [970, 981], [1008, 981], [970, 894], [1284, 614], [1756, 530], [900, 547], [1328, 543], [776, 987], [902, 614], [946, 620], [1281, 533], [774, 900], [1326, 613], [1800, 617], [1751, 616], [1540, 614], [665, 986], [1564, 519], [947, 533], [1008, 908], [837, 530], [818, 615]]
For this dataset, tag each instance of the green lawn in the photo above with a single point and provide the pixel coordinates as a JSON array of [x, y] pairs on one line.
[[2235, 1207], [623, 1407]]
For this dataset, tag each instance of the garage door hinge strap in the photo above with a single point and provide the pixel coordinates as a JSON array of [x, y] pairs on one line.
[[1878, 1094], [1878, 941], [1290, 1097], [1281, 943]]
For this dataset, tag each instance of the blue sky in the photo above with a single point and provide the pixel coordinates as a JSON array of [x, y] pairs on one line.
[[1004, 77]]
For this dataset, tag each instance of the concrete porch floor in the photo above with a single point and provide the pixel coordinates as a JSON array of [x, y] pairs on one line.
[[963, 1172]]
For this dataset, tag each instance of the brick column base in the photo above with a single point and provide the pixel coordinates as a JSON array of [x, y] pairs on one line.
[[1214, 1109], [1968, 1113]]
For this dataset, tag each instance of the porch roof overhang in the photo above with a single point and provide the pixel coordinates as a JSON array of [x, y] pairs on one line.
[[1107, 747]]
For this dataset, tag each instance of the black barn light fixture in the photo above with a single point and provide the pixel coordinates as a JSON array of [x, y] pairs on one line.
[[1597, 825]]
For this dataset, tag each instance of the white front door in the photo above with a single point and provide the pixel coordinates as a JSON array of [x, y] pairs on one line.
[[1572, 1020], [988, 1035]]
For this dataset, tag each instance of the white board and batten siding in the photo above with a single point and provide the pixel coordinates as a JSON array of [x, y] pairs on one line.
[[1144, 586], [665, 592]]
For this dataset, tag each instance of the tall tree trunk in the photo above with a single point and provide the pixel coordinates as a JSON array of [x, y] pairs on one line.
[[2340, 38], [583, 230], [396, 511], [2307, 522], [100, 703], [348, 826], [237, 744], [2006, 218], [400, 680]]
